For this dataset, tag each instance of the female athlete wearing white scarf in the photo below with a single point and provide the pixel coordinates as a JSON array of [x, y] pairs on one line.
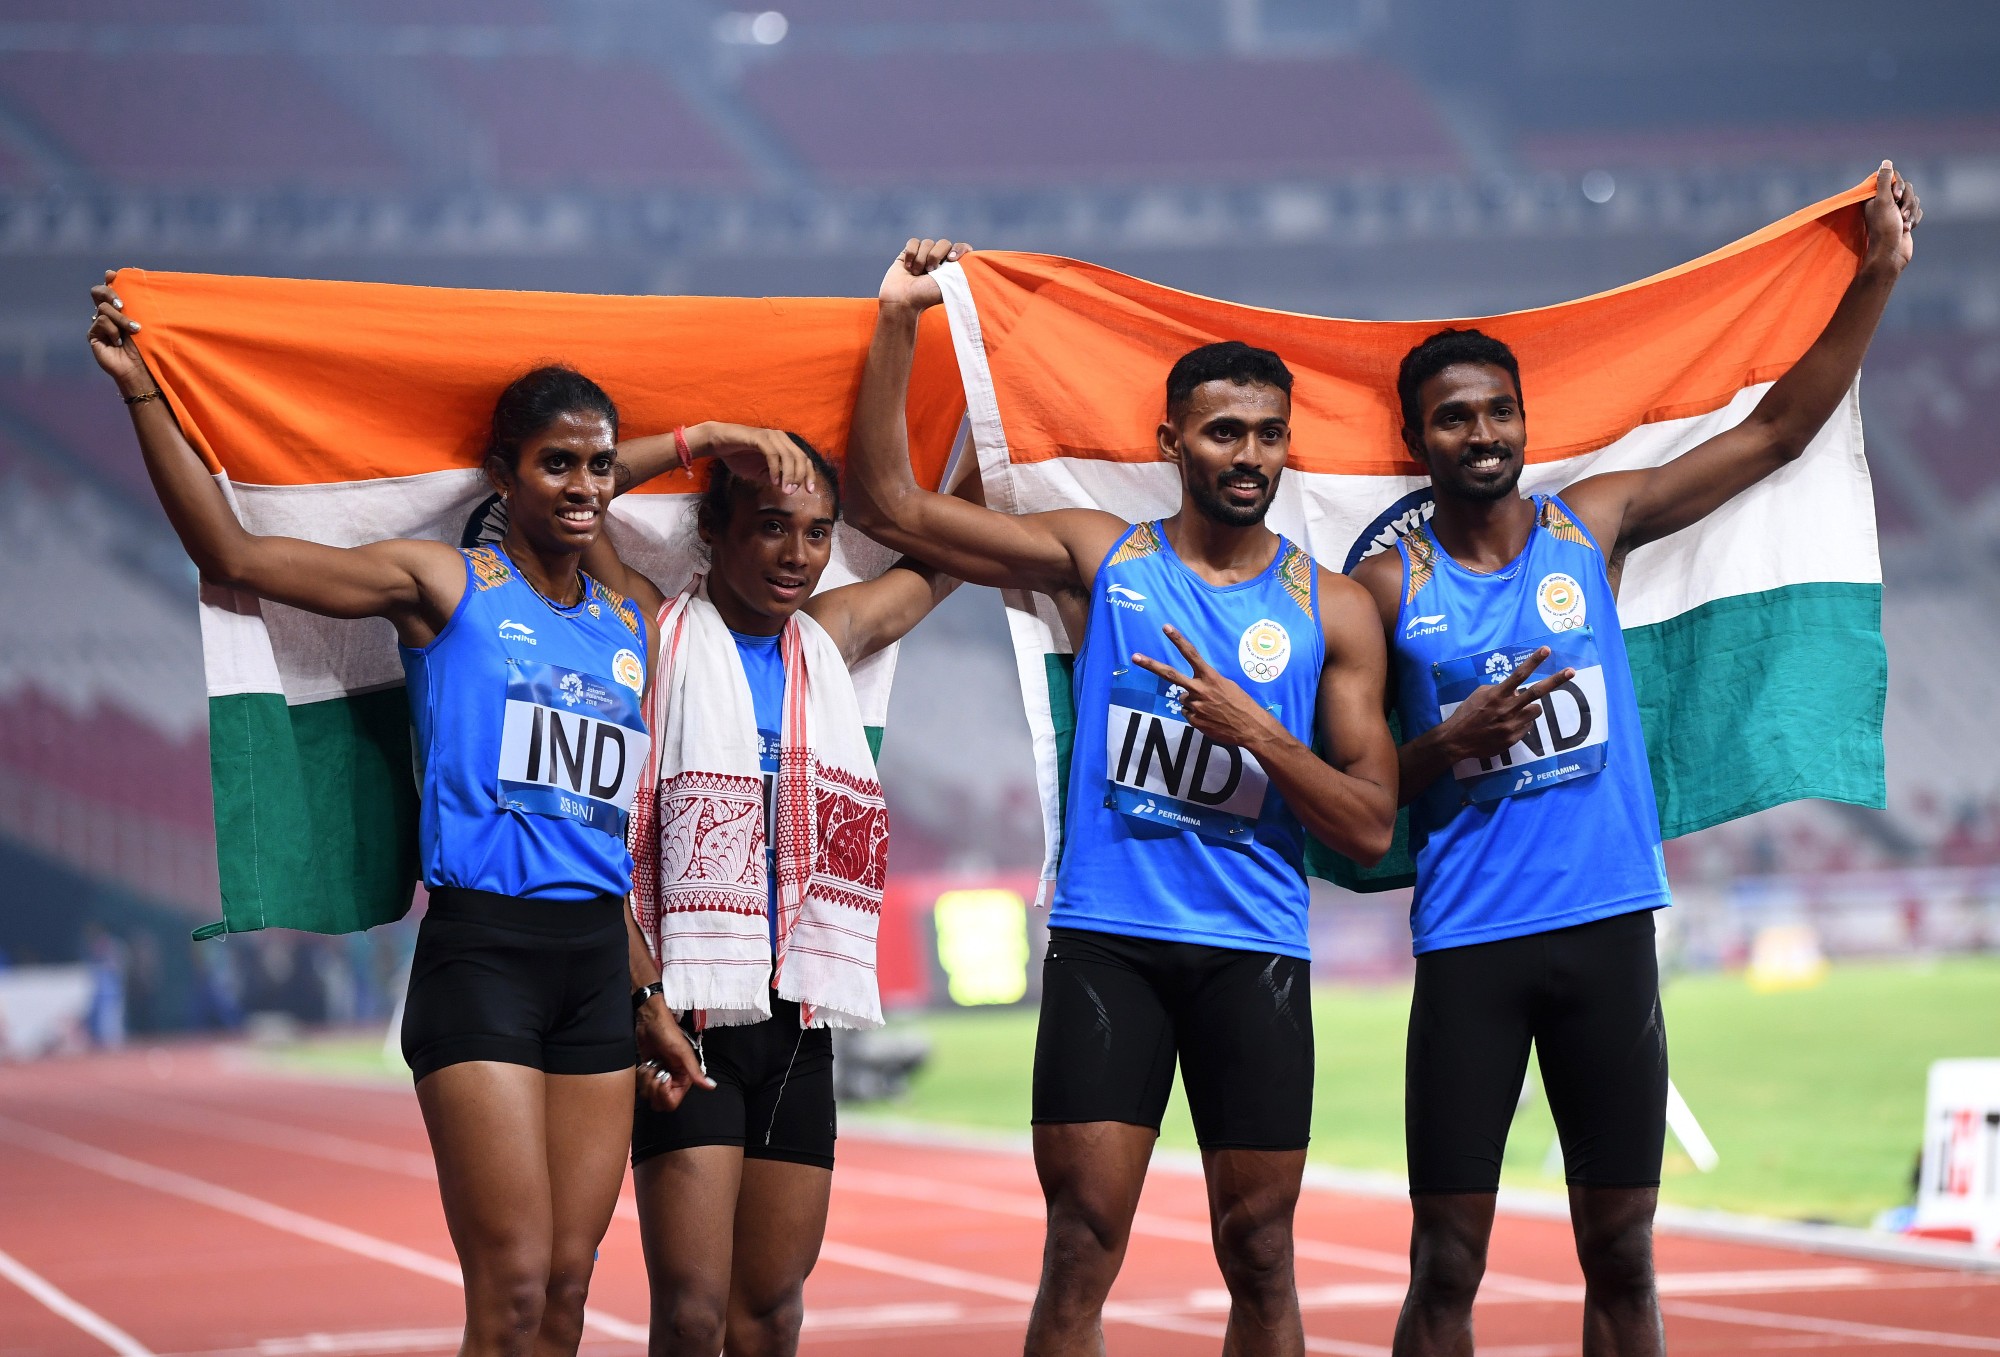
[[759, 742]]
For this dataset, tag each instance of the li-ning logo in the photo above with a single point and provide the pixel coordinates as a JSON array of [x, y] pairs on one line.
[[1122, 597], [1428, 625], [510, 630]]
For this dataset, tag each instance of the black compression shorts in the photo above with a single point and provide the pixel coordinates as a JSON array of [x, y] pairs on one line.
[[773, 1094], [1118, 1011], [542, 983], [1588, 997]]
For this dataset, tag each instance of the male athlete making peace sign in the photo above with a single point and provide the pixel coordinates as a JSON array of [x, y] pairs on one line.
[[1531, 804], [1209, 649]]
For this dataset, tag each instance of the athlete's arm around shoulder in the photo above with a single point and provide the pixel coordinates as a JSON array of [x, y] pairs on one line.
[[1626, 509], [416, 585], [1055, 553]]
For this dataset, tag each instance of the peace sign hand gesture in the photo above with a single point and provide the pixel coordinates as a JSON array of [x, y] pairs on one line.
[[1497, 716], [1213, 703]]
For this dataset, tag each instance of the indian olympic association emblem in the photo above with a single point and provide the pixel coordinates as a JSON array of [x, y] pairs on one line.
[[626, 669], [1559, 599], [1264, 650]]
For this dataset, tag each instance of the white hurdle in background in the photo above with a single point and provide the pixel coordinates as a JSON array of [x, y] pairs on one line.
[[1680, 1120]]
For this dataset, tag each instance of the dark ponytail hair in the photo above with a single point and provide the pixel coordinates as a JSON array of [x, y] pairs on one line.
[[718, 497], [537, 399]]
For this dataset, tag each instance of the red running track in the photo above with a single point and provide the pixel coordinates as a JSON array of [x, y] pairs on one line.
[[184, 1200]]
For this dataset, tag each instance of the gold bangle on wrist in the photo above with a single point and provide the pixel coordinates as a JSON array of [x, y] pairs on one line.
[[152, 395]]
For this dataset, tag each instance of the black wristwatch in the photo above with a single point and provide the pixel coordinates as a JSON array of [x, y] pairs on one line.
[[645, 992]]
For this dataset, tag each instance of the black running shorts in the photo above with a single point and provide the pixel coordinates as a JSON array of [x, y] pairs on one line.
[[542, 983], [1118, 1011], [1588, 998], [773, 1094]]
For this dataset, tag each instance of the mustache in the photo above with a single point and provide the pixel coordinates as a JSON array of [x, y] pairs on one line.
[[1465, 458]]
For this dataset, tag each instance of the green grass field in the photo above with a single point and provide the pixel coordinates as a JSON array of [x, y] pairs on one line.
[[1814, 1098]]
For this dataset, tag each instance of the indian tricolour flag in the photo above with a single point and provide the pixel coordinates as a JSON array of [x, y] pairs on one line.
[[347, 413], [1755, 637]]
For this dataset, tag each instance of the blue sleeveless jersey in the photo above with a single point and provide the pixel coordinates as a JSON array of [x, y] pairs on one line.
[[529, 738], [1562, 828], [764, 666], [1169, 835]]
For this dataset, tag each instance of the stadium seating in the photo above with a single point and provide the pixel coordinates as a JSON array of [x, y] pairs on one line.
[[1939, 390], [566, 123], [810, 13], [82, 414], [1095, 117], [197, 119], [16, 172], [1863, 143]]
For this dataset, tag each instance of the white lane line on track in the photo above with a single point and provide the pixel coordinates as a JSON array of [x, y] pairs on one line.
[[916, 1188], [272, 1134], [1500, 1287], [1169, 1317], [265, 1213], [92, 1323], [1840, 1328], [386, 1340]]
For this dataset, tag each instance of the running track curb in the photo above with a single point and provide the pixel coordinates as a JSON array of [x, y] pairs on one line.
[[1841, 1240]]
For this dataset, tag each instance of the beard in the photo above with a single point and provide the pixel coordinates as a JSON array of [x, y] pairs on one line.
[[1208, 498], [1483, 493]]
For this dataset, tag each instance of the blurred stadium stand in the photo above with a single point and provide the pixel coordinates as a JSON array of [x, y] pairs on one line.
[[1353, 157]]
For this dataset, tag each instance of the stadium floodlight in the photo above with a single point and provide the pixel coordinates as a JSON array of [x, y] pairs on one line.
[[741, 28]]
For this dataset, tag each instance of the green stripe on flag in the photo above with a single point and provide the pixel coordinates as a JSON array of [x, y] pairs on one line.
[[1061, 673], [1752, 701], [315, 811]]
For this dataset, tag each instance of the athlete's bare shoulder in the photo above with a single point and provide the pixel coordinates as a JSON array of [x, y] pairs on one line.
[[1346, 608], [1381, 577], [1090, 534]]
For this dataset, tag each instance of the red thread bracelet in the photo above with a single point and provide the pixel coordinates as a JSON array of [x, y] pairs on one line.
[[681, 448]]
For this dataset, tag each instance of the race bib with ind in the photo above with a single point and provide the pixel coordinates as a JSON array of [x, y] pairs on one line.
[[1161, 770], [572, 745], [1569, 739]]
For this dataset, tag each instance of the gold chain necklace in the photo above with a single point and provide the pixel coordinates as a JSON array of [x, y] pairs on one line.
[[582, 588]]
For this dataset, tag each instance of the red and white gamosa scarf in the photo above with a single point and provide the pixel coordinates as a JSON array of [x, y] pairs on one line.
[[699, 876]]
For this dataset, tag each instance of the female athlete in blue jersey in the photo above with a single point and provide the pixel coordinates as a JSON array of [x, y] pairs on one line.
[[525, 681], [733, 1181]]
